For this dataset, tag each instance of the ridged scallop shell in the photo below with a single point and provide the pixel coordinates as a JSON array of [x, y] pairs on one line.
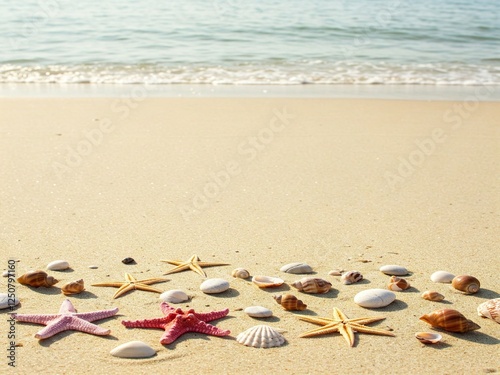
[[58, 265], [296, 268], [312, 285], [133, 349], [431, 295], [351, 277], [442, 277], [36, 279], [398, 284], [240, 273], [465, 283], [290, 302], [428, 337], [490, 309], [73, 287], [261, 336], [267, 281], [174, 296], [450, 320]]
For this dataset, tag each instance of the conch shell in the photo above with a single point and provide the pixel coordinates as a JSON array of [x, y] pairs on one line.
[[37, 278], [351, 277], [312, 285], [290, 302], [398, 284], [450, 320], [490, 309], [73, 287], [466, 283], [432, 296]]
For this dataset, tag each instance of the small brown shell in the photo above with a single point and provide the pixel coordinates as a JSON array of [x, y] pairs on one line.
[[312, 285], [36, 279], [73, 287], [290, 302], [431, 295], [465, 283], [351, 277], [398, 284], [450, 320], [240, 273], [490, 309]]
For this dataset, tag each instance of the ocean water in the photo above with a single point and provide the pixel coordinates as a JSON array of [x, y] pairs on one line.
[[273, 42]]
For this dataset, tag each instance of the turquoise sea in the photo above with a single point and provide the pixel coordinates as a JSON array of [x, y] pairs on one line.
[[273, 42]]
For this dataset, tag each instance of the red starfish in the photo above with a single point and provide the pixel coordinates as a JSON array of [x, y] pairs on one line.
[[177, 322]]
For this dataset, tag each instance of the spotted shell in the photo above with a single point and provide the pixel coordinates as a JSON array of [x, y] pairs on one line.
[[261, 336], [490, 309], [73, 287], [240, 273], [290, 302], [267, 281], [432, 296], [351, 277], [450, 320], [36, 279], [398, 284], [465, 283], [312, 285], [428, 337]]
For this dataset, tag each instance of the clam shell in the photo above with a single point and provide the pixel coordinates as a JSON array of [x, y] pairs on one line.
[[7, 301], [73, 287], [450, 320], [258, 312], [393, 269], [312, 285], [174, 296], [240, 273], [267, 281], [490, 309], [336, 272], [133, 349], [261, 336], [58, 265], [351, 277], [432, 296], [213, 286], [428, 337], [296, 268], [442, 277], [290, 303], [374, 298], [465, 283], [398, 284]]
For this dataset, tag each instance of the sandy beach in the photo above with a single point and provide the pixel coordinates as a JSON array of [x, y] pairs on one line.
[[256, 183]]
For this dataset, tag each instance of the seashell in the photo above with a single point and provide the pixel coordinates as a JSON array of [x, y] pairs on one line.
[[267, 281], [465, 283], [174, 296], [261, 336], [73, 287], [490, 309], [296, 268], [312, 285], [351, 277], [258, 312], [128, 260], [374, 298], [449, 320], [213, 286], [336, 272], [93, 267], [290, 302], [37, 278], [392, 269], [240, 273], [133, 349], [432, 296], [58, 265], [398, 284], [442, 277], [8, 301], [428, 338]]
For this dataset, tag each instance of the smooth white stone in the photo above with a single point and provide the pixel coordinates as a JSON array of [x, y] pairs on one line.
[[212, 286], [258, 312], [5, 273], [4, 301], [133, 349], [93, 267], [373, 298], [58, 265], [174, 296], [297, 268], [442, 277], [393, 269]]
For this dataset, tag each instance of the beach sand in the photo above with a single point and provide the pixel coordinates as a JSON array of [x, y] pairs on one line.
[[257, 183]]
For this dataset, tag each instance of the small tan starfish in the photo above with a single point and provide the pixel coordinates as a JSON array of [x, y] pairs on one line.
[[346, 327], [193, 264], [131, 283]]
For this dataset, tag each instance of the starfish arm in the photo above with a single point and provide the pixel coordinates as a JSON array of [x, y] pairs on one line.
[[375, 331], [147, 288], [166, 308], [81, 325], [174, 262], [123, 289], [331, 328], [212, 264], [35, 318], [97, 315], [320, 321], [346, 331], [366, 320], [196, 268], [115, 284], [67, 307], [159, 323], [189, 323], [152, 281], [179, 268], [68, 322], [129, 278], [213, 315], [339, 315]]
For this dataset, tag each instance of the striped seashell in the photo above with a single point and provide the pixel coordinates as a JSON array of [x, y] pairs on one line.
[[465, 283], [490, 309], [133, 349], [290, 302], [267, 281], [351, 277], [312, 285], [449, 320], [261, 336], [36, 279], [73, 287], [432, 296], [240, 273], [428, 338], [296, 268], [398, 284]]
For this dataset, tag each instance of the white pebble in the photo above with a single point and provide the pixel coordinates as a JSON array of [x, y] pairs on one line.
[[392, 269], [93, 267], [258, 312], [297, 268], [373, 298], [58, 265], [213, 286], [174, 296], [133, 349], [442, 277], [6, 302]]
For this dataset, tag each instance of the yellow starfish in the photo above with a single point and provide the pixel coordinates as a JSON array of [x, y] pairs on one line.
[[193, 264], [131, 283], [346, 327]]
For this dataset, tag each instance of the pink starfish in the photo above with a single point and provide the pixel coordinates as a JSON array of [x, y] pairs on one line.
[[177, 322], [66, 319]]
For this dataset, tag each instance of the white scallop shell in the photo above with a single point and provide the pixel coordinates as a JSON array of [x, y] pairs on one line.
[[297, 268], [490, 309], [261, 336], [6, 302], [442, 277], [267, 281], [58, 265], [240, 273], [174, 296], [351, 277], [213, 286], [133, 349], [428, 337], [374, 298], [258, 312], [393, 269]]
